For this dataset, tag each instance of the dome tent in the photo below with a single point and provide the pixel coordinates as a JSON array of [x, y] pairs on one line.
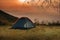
[[23, 23]]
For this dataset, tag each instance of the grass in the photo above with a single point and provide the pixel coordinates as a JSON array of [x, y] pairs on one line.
[[38, 33]]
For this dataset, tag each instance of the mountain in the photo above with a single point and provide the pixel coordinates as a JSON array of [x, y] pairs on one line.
[[6, 18]]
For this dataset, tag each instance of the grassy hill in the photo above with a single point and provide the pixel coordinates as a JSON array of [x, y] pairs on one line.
[[6, 18]]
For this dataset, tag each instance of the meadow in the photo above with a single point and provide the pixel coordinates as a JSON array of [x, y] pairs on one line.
[[38, 33]]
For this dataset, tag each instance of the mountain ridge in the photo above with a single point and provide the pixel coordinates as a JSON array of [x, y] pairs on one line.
[[7, 18]]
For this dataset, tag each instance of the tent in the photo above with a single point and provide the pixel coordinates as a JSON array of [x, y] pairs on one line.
[[23, 23]]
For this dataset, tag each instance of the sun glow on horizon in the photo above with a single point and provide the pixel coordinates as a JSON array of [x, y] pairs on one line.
[[22, 1]]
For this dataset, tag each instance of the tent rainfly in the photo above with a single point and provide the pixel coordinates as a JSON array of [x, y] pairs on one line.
[[23, 23]]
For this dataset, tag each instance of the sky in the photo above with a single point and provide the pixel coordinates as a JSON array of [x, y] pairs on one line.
[[41, 10]]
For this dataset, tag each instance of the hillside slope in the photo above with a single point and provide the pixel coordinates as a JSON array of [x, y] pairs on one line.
[[6, 18]]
